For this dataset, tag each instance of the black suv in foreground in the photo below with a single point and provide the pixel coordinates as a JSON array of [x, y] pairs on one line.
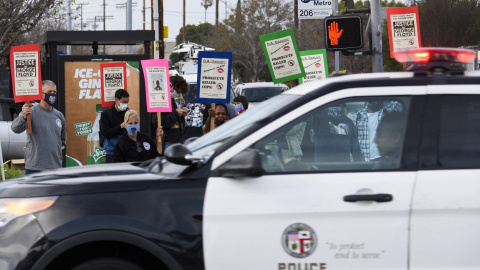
[[370, 171]]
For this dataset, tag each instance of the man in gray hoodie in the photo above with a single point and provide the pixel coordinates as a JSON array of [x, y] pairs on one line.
[[48, 137]]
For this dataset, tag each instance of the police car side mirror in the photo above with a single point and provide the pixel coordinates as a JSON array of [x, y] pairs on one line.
[[247, 163], [177, 154]]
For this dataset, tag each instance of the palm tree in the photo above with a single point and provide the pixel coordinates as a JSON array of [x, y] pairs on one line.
[[206, 4]]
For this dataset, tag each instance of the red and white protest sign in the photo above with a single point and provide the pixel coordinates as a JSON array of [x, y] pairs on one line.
[[403, 28], [26, 72], [113, 77]]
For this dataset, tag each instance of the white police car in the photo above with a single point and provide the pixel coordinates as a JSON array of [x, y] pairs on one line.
[[370, 171]]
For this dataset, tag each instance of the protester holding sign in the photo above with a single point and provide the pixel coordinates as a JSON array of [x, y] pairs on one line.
[[172, 121], [45, 143], [112, 123], [219, 116], [134, 145]]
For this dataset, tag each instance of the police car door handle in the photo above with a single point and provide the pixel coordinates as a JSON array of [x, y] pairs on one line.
[[369, 197]]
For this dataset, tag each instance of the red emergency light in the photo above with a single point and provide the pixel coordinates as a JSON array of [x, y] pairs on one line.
[[433, 54]]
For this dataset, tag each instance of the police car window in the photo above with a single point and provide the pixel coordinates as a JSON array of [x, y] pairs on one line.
[[208, 142], [350, 134], [459, 144]]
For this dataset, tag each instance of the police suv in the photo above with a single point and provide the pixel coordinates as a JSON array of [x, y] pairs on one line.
[[370, 171]]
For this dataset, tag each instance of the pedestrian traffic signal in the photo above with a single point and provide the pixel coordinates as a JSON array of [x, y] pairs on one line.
[[343, 33]]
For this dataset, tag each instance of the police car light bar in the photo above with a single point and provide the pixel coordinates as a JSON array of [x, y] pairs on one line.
[[431, 54]]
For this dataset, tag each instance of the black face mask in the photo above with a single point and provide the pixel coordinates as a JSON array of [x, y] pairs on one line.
[[218, 123], [50, 98]]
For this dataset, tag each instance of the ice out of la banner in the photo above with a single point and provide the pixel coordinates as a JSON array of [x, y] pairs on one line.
[[403, 28], [114, 77], [213, 77], [157, 85], [315, 65], [26, 73], [282, 56]]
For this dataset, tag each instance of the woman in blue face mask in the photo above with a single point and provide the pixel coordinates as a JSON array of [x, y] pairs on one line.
[[134, 145]]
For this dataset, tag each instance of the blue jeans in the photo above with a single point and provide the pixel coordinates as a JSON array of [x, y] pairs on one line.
[[27, 171]]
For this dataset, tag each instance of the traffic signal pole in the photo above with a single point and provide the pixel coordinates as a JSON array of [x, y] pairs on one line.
[[376, 21], [337, 53]]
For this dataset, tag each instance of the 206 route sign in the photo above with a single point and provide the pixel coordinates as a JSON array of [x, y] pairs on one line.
[[314, 9], [282, 55]]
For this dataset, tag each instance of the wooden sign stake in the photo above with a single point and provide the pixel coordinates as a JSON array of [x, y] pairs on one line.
[[29, 120]]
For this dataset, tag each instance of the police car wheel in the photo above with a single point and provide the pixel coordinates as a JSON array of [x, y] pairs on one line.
[[108, 264]]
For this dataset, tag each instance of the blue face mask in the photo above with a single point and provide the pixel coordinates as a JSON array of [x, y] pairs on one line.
[[239, 108], [133, 129]]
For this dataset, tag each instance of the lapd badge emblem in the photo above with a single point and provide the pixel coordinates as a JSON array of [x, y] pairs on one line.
[[299, 240]]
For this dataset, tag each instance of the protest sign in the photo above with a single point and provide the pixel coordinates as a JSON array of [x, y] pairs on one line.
[[403, 28], [113, 77], [213, 77], [315, 65], [282, 55], [26, 73], [157, 85]]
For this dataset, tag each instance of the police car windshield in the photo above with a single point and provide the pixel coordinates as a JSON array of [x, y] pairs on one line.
[[208, 142], [260, 94]]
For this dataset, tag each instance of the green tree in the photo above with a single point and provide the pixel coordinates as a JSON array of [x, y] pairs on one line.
[[251, 19], [18, 17], [449, 23]]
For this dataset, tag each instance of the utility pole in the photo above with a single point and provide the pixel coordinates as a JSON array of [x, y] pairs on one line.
[[69, 47], [143, 11], [128, 18], [225, 2], [104, 15], [161, 45], [158, 21], [295, 13], [376, 37], [81, 14], [216, 14], [183, 29]]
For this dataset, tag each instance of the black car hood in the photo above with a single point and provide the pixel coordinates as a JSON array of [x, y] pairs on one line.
[[115, 177]]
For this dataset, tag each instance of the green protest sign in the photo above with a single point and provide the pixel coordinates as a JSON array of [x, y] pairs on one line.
[[282, 55], [315, 65]]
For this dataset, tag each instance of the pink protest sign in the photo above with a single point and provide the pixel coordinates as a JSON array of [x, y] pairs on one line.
[[157, 85]]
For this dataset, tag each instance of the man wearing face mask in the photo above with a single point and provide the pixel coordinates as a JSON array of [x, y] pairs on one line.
[[48, 137], [112, 123]]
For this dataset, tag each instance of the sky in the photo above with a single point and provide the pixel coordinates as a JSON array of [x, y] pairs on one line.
[[173, 14]]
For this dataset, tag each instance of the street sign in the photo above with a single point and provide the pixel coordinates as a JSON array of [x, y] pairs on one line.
[[314, 9], [343, 33]]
